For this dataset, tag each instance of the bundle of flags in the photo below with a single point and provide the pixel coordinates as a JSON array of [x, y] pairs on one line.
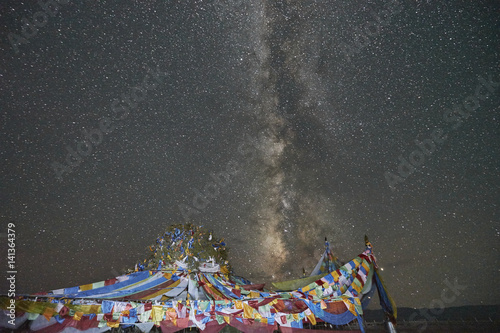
[[187, 244]]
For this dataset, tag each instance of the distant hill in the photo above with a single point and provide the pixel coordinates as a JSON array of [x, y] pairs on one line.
[[460, 313]]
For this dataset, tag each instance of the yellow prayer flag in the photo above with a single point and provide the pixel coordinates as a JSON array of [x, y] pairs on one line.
[[86, 287], [356, 286], [78, 315], [157, 313], [312, 318], [247, 311], [254, 294], [367, 268], [350, 307], [85, 308], [95, 309]]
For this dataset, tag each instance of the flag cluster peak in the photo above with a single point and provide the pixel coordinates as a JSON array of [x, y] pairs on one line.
[[189, 247]]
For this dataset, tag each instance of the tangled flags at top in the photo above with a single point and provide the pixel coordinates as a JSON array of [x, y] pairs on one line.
[[187, 246], [181, 298]]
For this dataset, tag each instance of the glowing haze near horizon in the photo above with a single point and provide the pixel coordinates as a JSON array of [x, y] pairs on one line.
[[264, 88]]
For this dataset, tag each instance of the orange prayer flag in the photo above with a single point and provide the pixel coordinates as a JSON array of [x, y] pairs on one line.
[[48, 312]]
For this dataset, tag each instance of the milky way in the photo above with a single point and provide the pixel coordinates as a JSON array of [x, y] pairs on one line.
[[282, 72]]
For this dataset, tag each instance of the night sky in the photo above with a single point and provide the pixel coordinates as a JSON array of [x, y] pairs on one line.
[[273, 123]]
